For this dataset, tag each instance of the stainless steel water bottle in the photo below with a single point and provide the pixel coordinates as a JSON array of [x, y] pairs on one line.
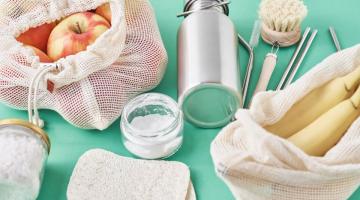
[[209, 84]]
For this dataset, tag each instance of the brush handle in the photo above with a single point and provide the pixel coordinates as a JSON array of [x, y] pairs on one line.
[[267, 70]]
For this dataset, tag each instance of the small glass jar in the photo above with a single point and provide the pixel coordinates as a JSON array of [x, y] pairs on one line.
[[24, 149], [152, 126]]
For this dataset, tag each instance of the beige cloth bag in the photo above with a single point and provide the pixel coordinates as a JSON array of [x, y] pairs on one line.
[[258, 165], [92, 86]]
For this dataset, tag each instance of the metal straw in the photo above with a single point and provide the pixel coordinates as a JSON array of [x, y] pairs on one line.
[[335, 38], [249, 67], [293, 58], [303, 54]]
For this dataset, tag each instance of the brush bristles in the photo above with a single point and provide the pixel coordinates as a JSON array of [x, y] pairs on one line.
[[282, 15]]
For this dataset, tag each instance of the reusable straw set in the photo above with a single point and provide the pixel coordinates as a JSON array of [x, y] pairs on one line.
[[280, 26]]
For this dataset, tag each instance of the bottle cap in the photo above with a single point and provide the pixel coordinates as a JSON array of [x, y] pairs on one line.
[[210, 105]]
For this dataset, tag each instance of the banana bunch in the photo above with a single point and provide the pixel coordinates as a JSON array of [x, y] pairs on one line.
[[318, 121], [317, 102], [324, 133]]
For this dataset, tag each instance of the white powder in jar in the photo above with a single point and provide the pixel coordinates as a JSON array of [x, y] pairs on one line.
[[152, 123], [152, 141], [152, 126], [22, 158]]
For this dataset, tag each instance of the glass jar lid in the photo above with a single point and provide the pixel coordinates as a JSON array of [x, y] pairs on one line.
[[37, 130]]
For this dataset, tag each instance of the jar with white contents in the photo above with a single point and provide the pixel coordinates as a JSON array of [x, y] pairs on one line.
[[24, 149], [152, 126]]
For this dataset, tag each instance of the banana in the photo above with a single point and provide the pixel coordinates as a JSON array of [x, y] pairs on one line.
[[325, 132], [315, 104]]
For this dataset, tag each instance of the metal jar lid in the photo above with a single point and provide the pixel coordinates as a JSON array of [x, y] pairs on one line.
[[37, 130]]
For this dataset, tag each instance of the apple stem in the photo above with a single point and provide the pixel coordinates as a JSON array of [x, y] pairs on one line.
[[78, 28]]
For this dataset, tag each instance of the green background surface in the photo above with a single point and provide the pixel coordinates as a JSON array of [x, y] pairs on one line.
[[69, 143]]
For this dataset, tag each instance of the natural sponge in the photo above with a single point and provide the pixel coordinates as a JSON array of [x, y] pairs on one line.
[[102, 175]]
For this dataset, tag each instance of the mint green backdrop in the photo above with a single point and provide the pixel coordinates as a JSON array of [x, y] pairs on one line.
[[69, 143]]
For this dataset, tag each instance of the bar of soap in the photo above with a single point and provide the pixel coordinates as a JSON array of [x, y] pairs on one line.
[[102, 175]]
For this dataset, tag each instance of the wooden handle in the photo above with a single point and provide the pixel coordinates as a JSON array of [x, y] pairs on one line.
[[267, 70]]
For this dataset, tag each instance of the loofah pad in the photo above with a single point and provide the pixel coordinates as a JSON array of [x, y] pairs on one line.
[[102, 175]]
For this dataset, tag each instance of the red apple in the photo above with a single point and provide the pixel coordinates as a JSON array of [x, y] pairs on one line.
[[37, 37], [104, 11], [42, 56], [75, 33]]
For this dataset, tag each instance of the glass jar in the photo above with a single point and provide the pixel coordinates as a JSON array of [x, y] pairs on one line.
[[152, 126], [24, 149]]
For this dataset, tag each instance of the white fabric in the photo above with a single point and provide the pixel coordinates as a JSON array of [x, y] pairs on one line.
[[258, 165], [92, 86], [102, 175]]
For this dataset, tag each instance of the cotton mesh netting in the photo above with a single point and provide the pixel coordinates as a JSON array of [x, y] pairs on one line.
[[92, 86], [258, 165]]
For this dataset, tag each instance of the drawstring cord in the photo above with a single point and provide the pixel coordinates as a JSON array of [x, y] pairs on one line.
[[33, 93]]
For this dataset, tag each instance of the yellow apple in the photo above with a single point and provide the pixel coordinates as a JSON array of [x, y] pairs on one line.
[[104, 11], [37, 36], [75, 33]]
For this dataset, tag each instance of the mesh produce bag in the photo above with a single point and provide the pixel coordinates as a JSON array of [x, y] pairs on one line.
[[256, 164], [92, 86]]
